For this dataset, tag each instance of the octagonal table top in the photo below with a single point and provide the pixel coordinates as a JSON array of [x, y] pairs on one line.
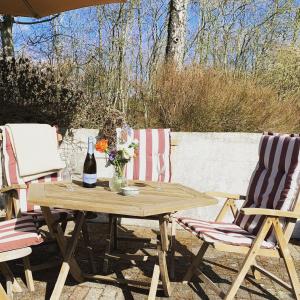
[[171, 198]]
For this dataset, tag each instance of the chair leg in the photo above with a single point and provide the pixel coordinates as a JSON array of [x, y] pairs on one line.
[[115, 225], [250, 258], [109, 245], [28, 274], [3, 295], [256, 273], [195, 263], [87, 242], [288, 260], [172, 248], [10, 278], [64, 224]]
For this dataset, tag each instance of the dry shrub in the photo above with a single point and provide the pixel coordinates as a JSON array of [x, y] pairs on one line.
[[197, 99], [31, 92]]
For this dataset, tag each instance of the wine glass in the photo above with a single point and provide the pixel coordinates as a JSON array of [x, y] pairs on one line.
[[67, 174], [161, 168]]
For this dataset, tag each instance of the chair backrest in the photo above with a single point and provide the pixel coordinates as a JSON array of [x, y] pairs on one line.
[[151, 143], [275, 182], [11, 174]]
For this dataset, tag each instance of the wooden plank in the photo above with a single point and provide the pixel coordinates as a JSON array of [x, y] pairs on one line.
[[148, 203], [65, 268], [164, 272], [115, 279], [8, 274], [207, 281], [3, 295], [109, 244], [225, 195], [270, 212], [288, 260], [172, 247], [154, 283], [250, 258], [245, 250], [195, 263], [273, 277], [61, 241], [28, 274], [87, 243], [13, 187]]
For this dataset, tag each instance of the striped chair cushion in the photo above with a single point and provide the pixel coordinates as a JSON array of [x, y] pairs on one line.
[[274, 184], [18, 233], [12, 177], [275, 181], [144, 165], [226, 233]]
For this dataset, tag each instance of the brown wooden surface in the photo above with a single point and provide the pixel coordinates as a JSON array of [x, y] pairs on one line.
[[150, 201]]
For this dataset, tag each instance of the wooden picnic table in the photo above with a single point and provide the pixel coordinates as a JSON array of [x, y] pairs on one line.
[[149, 203]]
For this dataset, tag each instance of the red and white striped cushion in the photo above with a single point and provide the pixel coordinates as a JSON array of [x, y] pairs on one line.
[[226, 233], [144, 165], [18, 233], [275, 182], [12, 177]]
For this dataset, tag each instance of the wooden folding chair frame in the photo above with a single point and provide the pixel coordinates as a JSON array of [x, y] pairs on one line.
[[272, 220]]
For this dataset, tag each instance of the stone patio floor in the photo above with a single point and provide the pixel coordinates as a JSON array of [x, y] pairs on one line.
[[220, 267]]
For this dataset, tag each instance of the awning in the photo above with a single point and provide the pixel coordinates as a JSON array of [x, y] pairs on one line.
[[42, 8]]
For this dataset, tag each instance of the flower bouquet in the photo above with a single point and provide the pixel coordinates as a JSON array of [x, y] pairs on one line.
[[118, 156]]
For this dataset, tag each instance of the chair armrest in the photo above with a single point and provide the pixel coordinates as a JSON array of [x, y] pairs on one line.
[[270, 212], [226, 195], [13, 187]]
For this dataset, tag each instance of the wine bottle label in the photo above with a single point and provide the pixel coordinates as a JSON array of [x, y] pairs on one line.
[[89, 178]]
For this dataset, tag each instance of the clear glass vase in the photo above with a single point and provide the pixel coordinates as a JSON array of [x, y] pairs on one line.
[[119, 180]]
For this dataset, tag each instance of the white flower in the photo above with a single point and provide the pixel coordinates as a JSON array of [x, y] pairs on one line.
[[126, 155], [121, 147]]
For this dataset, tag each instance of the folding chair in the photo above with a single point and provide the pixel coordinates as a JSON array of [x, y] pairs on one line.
[[17, 199], [16, 191], [16, 237], [143, 167], [264, 225]]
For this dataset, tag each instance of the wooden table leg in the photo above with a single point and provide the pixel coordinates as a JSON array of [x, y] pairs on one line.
[[87, 242], [69, 263], [154, 282], [161, 269], [109, 243], [162, 253]]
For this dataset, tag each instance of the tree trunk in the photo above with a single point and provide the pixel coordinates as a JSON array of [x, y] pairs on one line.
[[176, 32], [6, 36]]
